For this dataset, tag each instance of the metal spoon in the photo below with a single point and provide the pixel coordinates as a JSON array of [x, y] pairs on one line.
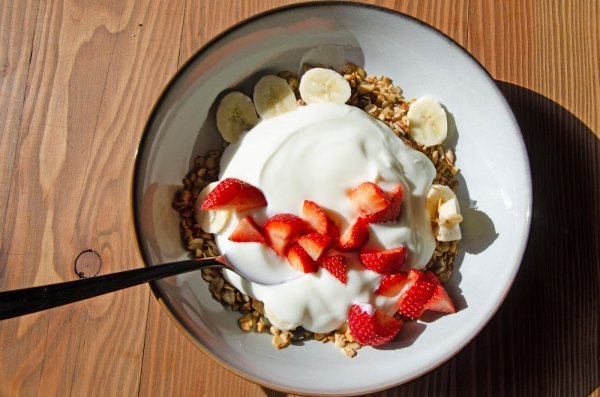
[[29, 300]]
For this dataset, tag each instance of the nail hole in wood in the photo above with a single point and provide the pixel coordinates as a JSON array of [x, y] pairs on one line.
[[88, 264]]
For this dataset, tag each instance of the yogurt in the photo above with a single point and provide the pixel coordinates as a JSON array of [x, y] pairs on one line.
[[320, 152]]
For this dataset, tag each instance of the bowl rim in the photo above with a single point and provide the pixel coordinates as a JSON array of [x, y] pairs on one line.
[[142, 143]]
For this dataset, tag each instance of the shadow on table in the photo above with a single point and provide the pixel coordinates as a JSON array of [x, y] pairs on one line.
[[544, 339]]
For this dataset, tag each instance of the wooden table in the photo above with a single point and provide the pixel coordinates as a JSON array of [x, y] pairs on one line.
[[77, 82]]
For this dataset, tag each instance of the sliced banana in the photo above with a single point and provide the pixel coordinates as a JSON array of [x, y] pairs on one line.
[[273, 96], [211, 221], [235, 115], [449, 232], [438, 194], [444, 210], [449, 212], [324, 85], [427, 121]]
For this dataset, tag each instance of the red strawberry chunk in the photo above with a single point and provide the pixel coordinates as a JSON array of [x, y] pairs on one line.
[[440, 301], [412, 303], [392, 211], [368, 198], [247, 232], [333, 230], [372, 327], [315, 244], [300, 260], [336, 265], [355, 237], [315, 216], [234, 195], [383, 261], [391, 284], [281, 230]]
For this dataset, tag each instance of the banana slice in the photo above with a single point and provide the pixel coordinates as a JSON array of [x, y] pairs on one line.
[[273, 96], [438, 194], [235, 115], [449, 212], [449, 233], [443, 208], [427, 122], [211, 221], [324, 85]]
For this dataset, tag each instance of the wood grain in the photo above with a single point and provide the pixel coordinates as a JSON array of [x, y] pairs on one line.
[[77, 81], [550, 47], [86, 105], [16, 41]]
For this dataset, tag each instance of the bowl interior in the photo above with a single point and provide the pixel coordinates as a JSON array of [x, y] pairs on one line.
[[495, 189]]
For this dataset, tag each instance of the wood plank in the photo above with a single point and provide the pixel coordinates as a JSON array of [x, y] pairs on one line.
[[17, 27], [86, 106], [551, 47]]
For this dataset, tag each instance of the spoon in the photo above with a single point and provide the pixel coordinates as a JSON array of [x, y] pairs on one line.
[[29, 300]]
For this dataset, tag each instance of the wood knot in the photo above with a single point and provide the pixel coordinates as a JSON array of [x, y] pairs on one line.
[[88, 264]]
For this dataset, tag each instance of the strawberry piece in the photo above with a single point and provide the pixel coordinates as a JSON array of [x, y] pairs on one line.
[[391, 284], [300, 260], [422, 287], [336, 265], [372, 327], [247, 232], [440, 301], [315, 216], [392, 211], [368, 198], [383, 261], [234, 195], [355, 237], [315, 244], [281, 230], [333, 230]]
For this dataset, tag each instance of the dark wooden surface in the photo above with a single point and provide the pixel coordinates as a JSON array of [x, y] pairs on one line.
[[77, 82]]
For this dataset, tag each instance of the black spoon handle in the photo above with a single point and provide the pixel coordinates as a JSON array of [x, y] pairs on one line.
[[29, 300]]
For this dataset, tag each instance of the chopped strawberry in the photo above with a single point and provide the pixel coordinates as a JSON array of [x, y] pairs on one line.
[[315, 216], [355, 237], [383, 261], [391, 284], [372, 327], [247, 232], [422, 287], [315, 244], [300, 260], [336, 265], [234, 195], [281, 230], [440, 301], [392, 211], [368, 198], [333, 230]]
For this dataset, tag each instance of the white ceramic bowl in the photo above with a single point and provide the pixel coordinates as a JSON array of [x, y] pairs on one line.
[[495, 187]]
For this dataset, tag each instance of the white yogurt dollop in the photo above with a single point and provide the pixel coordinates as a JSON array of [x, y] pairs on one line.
[[319, 152]]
